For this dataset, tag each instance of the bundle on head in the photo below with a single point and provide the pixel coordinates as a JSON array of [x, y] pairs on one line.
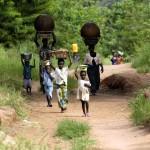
[[43, 23]]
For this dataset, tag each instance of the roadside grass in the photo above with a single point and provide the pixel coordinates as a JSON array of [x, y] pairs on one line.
[[140, 107], [83, 143], [76, 132], [23, 144], [69, 129], [141, 60], [11, 69], [11, 97]]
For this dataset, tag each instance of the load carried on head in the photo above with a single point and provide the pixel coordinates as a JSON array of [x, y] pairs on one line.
[[44, 25], [26, 56], [90, 33]]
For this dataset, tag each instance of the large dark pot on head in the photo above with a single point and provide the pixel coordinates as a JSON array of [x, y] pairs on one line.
[[90, 33], [44, 23]]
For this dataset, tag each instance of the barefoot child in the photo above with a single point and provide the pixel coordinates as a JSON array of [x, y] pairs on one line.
[[48, 83], [83, 91], [61, 77], [27, 74]]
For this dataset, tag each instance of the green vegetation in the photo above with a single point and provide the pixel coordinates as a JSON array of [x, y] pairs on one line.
[[124, 23], [11, 97], [69, 129], [77, 132], [140, 110], [11, 69], [23, 144], [72, 83], [141, 60], [83, 143]]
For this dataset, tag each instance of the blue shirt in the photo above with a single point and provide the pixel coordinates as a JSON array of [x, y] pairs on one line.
[[47, 80]]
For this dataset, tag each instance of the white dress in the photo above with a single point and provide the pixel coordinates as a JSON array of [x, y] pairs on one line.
[[83, 91]]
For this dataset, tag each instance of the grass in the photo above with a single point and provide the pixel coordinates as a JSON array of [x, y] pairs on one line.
[[69, 129], [11, 69], [72, 83], [140, 107], [141, 60], [23, 144], [83, 143], [11, 97], [76, 132]]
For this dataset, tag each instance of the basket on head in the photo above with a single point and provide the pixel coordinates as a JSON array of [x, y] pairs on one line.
[[26, 56], [46, 63], [83, 67], [61, 53]]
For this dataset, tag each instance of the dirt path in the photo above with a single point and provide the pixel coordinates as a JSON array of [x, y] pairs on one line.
[[110, 122]]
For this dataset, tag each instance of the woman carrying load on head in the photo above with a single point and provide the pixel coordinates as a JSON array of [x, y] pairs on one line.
[[61, 77], [92, 60]]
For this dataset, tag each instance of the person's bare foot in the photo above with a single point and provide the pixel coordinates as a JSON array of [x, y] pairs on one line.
[[88, 115], [84, 115]]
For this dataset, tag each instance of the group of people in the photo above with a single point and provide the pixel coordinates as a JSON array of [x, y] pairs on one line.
[[117, 58], [59, 74]]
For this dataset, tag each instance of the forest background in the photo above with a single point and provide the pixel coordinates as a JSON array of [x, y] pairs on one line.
[[124, 25]]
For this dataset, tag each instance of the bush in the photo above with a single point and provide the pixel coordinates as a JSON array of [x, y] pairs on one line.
[[11, 69], [142, 58], [11, 97], [69, 129], [82, 143], [23, 144], [140, 110]]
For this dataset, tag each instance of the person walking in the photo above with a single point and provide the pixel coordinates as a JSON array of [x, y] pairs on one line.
[[92, 60]]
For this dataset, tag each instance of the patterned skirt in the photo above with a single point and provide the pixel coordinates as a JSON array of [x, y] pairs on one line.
[[62, 96]]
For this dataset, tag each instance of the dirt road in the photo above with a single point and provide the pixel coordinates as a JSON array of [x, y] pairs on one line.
[[110, 122]]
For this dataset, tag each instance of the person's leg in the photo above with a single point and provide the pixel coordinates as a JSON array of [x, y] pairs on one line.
[[29, 86], [87, 106], [41, 78], [97, 78], [83, 107], [91, 75], [49, 101]]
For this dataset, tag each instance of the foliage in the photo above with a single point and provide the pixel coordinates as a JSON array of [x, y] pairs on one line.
[[11, 69], [23, 144], [140, 110], [141, 61], [69, 129], [83, 143], [11, 97]]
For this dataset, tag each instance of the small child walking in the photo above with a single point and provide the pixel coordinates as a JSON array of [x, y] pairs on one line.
[[83, 91], [27, 68], [48, 83]]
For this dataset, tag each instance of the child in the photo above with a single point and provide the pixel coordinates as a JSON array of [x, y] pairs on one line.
[[83, 91], [48, 83], [61, 75], [27, 74]]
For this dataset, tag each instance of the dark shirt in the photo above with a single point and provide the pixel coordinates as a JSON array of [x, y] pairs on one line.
[[44, 53], [27, 71]]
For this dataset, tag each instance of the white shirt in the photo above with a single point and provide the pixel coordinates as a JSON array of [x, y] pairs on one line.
[[88, 59], [61, 75], [83, 90]]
